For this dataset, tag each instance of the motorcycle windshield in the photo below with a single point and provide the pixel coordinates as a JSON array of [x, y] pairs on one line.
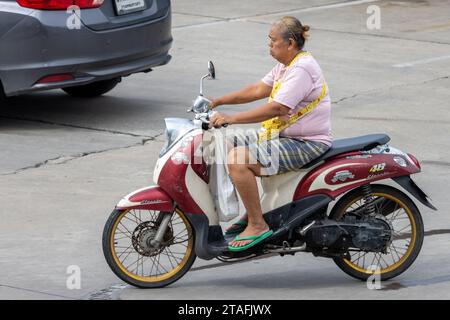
[[175, 129]]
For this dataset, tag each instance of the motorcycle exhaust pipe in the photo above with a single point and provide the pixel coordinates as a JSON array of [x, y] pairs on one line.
[[288, 250]]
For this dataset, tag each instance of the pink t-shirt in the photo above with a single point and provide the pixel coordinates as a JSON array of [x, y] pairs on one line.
[[302, 84]]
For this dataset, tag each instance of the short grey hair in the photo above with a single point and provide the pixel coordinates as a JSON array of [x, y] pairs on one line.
[[291, 27]]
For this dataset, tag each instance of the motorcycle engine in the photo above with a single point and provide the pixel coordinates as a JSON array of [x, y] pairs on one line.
[[374, 234]]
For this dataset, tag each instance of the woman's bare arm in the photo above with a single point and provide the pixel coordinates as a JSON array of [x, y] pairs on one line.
[[250, 93], [258, 114]]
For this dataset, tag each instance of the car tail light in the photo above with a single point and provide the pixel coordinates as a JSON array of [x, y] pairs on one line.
[[60, 4], [56, 78], [414, 159]]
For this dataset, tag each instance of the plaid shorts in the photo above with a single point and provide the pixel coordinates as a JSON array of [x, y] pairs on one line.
[[280, 154]]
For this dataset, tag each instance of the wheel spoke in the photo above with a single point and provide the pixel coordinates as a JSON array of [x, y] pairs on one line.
[[170, 260], [129, 219], [402, 236], [182, 238], [387, 264], [126, 250], [124, 232], [132, 263], [170, 255], [131, 234], [399, 231], [121, 238], [175, 253], [379, 260], [364, 260], [153, 265], [374, 257], [160, 265], [401, 221], [136, 270], [359, 257], [396, 252], [131, 243]]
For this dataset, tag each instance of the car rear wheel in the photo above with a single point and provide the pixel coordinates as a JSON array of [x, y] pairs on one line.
[[2, 93], [94, 89]]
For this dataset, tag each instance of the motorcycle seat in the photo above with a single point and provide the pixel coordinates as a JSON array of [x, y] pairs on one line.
[[362, 143]]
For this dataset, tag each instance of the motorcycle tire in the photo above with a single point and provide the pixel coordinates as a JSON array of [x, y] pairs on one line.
[[111, 250], [412, 249]]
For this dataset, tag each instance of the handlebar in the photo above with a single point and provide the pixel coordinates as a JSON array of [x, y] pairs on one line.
[[204, 117]]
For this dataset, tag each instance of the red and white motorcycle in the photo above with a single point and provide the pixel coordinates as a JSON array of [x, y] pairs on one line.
[[154, 234]]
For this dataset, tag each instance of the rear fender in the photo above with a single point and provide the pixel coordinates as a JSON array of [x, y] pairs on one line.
[[409, 185], [149, 198]]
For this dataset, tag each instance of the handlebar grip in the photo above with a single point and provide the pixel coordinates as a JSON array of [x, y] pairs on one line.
[[205, 126]]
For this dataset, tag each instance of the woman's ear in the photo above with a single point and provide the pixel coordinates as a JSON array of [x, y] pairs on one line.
[[291, 44]]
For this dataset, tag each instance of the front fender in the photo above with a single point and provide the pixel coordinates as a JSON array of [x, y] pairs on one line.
[[149, 198]]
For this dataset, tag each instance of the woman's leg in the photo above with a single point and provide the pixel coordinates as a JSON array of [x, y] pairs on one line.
[[243, 171]]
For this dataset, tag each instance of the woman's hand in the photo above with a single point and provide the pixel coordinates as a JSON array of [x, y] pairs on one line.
[[218, 119], [214, 103]]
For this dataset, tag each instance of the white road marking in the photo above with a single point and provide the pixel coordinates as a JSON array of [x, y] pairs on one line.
[[240, 19], [327, 6], [419, 62]]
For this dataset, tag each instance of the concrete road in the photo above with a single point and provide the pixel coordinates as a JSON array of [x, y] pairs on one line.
[[65, 162]]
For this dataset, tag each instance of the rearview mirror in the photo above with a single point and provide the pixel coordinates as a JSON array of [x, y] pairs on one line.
[[212, 71]]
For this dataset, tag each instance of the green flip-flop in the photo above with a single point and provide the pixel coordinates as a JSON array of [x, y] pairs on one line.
[[241, 227], [256, 239]]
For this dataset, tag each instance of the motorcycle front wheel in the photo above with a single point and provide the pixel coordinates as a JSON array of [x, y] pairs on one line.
[[408, 234], [127, 247]]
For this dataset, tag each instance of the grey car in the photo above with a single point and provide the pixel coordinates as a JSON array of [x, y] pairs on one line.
[[84, 47]]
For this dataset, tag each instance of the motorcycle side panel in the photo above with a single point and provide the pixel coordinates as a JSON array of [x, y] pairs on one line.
[[278, 190], [181, 177], [347, 171], [172, 178], [149, 198]]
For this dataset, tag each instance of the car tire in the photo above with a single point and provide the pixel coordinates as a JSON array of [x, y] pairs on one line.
[[92, 90], [2, 93]]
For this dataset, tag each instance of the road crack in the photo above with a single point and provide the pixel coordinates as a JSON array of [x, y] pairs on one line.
[[36, 291], [65, 159], [75, 126], [375, 91]]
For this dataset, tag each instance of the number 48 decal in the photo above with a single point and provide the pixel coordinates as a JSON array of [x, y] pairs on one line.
[[378, 167]]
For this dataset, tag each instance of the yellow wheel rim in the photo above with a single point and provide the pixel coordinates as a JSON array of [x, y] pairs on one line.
[[132, 270], [402, 257]]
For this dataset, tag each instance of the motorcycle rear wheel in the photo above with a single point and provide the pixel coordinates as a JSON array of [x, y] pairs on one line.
[[125, 238], [403, 254]]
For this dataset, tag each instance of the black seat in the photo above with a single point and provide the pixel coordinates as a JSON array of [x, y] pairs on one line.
[[362, 143]]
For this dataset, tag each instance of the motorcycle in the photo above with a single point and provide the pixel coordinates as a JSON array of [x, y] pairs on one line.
[[332, 207]]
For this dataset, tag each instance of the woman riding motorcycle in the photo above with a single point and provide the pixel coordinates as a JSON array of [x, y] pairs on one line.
[[296, 120]]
